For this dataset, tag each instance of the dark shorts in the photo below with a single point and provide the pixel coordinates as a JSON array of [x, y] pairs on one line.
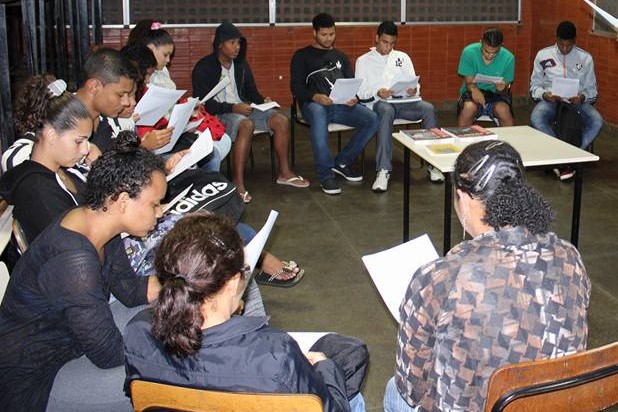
[[491, 99]]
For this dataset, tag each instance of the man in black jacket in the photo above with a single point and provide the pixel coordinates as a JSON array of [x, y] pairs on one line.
[[314, 69], [233, 105]]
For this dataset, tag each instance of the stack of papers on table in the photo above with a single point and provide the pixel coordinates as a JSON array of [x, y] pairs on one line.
[[392, 269]]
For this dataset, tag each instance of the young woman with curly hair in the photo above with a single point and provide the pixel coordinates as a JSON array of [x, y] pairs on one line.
[[515, 292]]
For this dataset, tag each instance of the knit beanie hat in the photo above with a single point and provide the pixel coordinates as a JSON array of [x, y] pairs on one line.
[[227, 31]]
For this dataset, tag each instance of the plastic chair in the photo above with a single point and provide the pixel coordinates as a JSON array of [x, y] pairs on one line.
[[146, 395], [585, 381]]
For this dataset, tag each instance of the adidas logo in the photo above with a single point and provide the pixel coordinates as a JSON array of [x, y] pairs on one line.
[[209, 193]]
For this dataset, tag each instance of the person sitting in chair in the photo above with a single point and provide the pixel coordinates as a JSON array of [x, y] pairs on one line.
[[192, 338], [515, 292], [564, 59], [484, 97]]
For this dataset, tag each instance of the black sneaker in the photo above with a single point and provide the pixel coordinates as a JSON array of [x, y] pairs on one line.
[[347, 173], [330, 186]]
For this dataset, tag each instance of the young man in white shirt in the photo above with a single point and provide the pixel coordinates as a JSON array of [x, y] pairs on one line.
[[380, 68], [565, 59]]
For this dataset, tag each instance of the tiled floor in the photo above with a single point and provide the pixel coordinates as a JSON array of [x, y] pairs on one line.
[[328, 235]]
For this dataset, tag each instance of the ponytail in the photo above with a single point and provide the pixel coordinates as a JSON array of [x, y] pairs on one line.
[[194, 262], [177, 319]]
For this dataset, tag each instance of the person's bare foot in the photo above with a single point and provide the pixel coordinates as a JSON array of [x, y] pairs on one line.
[[274, 266], [243, 192]]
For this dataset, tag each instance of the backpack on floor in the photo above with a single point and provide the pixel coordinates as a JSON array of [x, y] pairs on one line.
[[568, 124]]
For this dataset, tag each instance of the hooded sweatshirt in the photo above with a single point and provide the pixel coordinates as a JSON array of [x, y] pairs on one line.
[[207, 72], [39, 195]]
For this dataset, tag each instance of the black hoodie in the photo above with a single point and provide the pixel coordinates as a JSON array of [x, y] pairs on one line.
[[207, 72], [37, 196]]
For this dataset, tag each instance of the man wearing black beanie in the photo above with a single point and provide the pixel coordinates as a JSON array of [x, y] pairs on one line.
[[233, 105]]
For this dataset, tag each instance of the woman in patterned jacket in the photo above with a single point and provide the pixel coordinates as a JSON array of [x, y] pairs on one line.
[[515, 292]]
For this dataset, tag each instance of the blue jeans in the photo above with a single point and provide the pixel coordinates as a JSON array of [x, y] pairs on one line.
[[357, 403], [363, 119], [393, 402], [387, 113], [544, 114], [220, 149]]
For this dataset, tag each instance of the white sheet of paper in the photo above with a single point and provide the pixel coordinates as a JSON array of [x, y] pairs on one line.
[[178, 120], [155, 104], [392, 270], [193, 125], [265, 106], [400, 88], [396, 100], [306, 339], [565, 88], [177, 198], [484, 79], [201, 148], [254, 248], [215, 90], [610, 19], [344, 90]]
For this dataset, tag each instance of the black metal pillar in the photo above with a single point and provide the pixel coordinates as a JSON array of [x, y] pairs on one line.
[[6, 108]]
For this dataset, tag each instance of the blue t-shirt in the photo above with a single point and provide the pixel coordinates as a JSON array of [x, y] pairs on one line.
[[471, 63]]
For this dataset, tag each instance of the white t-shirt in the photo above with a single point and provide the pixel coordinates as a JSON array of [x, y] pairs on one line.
[[230, 93]]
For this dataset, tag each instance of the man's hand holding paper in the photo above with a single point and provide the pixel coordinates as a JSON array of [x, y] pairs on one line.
[[344, 91]]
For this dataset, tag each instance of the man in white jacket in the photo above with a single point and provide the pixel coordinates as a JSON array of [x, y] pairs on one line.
[[381, 68], [564, 59]]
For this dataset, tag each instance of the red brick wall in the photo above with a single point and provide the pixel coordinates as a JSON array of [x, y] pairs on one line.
[[434, 50]]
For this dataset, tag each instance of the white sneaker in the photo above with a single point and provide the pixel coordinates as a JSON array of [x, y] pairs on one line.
[[381, 183], [435, 175]]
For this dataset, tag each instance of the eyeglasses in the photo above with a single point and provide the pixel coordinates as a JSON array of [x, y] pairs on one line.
[[488, 53]]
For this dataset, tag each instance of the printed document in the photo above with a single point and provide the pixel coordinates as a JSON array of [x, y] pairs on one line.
[[344, 90], [215, 90], [565, 88], [392, 269], [193, 125], [201, 148], [178, 120], [400, 88], [265, 106], [484, 79], [306, 339], [254, 248], [176, 199], [155, 104]]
